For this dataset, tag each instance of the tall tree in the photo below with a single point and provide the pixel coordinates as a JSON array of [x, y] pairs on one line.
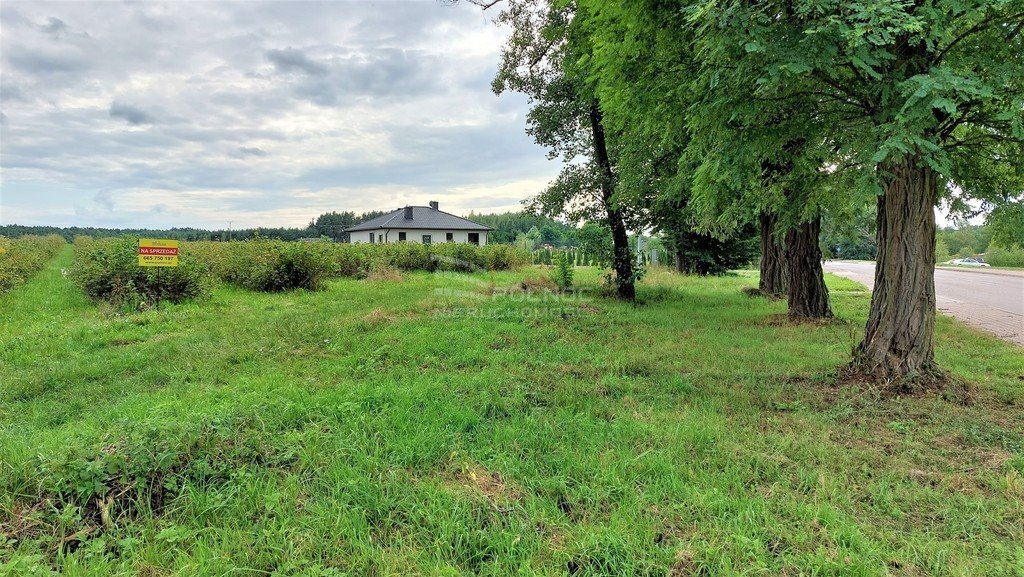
[[912, 102], [546, 58], [652, 81]]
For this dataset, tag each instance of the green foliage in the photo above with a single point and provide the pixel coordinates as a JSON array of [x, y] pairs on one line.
[[850, 233], [596, 241], [1007, 225], [705, 255], [562, 273], [22, 257], [508, 228], [275, 265], [942, 253], [108, 270], [1007, 257], [270, 265], [967, 240]]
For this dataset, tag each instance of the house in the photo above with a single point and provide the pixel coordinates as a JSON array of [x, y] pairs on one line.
[[423, 224]]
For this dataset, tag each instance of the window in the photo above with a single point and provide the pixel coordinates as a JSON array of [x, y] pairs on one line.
[[449, 236], [426, 239], [401, 236], [474, 238], [372, 238]]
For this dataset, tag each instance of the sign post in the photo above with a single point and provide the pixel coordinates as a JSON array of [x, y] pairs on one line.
[[158, 253]]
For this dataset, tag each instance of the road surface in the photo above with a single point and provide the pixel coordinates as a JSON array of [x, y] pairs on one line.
[[992, 300]]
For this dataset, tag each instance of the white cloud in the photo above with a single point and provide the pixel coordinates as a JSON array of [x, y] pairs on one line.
[[266, 114]]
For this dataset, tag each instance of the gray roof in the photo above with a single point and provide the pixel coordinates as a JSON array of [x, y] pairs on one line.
[[423, 217]]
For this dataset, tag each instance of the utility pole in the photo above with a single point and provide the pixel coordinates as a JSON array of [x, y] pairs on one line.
[[229, 231]]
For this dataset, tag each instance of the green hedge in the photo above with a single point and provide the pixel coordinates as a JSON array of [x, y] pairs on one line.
[[22, 257], [272, 265], [1009, 257], [108, 270]]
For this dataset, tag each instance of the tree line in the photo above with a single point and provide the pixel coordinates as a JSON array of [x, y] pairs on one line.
[[507, 227], [776, 116]]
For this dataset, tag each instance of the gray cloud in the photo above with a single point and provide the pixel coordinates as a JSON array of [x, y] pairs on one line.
[[132, 114], [46, 62], [54, 26], [291, 59], [251, 151]]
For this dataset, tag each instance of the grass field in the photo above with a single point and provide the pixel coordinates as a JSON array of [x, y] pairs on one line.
[[442, 425]]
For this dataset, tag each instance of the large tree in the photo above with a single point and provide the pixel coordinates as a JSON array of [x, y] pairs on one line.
[[546, 59], [911, 102], [653, 85]]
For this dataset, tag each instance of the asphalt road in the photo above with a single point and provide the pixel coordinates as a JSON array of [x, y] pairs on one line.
[[992, 300]]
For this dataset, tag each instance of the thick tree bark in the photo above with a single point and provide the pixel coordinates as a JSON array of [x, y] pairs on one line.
[[773, 270], [808, 295], [898, 340], [622, 261]]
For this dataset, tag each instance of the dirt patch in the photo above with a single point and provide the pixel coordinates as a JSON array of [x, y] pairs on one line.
[[379, 316], [125, 342], [488, 483], [534, 284], [683, 565], [758, 293], [934, 383]]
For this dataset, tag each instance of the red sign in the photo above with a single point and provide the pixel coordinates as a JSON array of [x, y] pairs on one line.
[[156, 250]]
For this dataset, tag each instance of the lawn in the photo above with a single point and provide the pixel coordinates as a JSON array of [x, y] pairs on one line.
[[450, 424]]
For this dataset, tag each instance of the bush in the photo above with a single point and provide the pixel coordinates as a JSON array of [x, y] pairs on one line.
[[271, 265], [999, 256], [275, 265], [563, 271], [22, 257], [108, 270], [360, 260]]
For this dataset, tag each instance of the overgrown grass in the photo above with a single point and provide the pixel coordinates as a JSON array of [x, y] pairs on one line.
[[22, 257], [477, 424]]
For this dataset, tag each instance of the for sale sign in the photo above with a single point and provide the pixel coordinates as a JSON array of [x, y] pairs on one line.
[[158, 252]]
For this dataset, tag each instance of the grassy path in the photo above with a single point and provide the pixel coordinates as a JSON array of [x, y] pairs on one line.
[[45, 295]]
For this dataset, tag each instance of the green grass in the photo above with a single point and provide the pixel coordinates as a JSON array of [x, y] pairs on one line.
[[428, 426]]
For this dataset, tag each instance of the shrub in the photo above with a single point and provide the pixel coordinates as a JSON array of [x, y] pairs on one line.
[[108, 270], [503, 257], [275, 265], [22, 257], [271, 265], [563, 271], [999, 256]]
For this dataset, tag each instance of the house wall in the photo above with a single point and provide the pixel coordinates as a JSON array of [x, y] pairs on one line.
[[437, 236]]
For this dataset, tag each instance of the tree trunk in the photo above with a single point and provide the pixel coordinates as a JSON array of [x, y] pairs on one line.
[[622, 261], [808, 296], [773, 270], [680, 263], [899, 338]]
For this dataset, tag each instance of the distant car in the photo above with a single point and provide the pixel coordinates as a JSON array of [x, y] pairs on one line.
[[970, 261]]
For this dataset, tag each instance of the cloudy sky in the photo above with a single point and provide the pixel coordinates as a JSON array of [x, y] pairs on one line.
[[258, 113]]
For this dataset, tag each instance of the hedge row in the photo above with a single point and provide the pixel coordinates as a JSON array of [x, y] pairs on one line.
[[266, 265], [107, 269], [273, 265], [1008, 257], [22, 257]]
